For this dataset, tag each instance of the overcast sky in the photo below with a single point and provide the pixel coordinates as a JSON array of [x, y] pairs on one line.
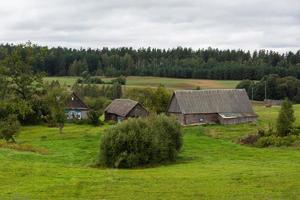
[[252, 24]]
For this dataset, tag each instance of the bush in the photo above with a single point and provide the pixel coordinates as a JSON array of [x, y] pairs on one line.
[[120, 80], [9, 127], [93, 117], [90, 80], [296, 131], [96, 80], [249, 139], [139, 142], [268, 138], [80, 121], [276, 141], [111, 122]]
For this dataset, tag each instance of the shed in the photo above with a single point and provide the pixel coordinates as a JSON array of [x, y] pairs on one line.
[[76, 108], [120, 109], [225, 106]]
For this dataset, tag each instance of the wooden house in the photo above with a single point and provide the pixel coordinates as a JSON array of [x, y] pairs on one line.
[[121, 109], [76, 108], [224, 106]]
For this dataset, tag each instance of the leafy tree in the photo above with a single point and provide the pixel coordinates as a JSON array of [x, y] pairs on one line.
[[24, 82], [162, 98], [4, 83], [97, 103], [155, 100], [78, 67], [145, 96], [116, 91], [9, 127], [276, 87], [285, 118], [56, 99], [297, 97]]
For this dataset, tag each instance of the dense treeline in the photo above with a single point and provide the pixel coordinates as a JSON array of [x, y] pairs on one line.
[[178, 62], [273, 87]]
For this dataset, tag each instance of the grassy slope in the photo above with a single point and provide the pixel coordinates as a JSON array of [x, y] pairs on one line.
[[208, 167], [173, 83]]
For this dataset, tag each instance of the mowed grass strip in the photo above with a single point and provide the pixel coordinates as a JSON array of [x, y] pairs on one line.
[[207, 168], [171, 83]]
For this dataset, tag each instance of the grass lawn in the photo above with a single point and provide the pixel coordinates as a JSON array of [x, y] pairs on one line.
[[172, 83], [210, 166]]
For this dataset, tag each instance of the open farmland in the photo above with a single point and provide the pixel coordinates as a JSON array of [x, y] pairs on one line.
[[210, 166], [172, 83]]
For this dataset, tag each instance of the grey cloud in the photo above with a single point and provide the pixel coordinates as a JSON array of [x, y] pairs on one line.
[[139, 23]]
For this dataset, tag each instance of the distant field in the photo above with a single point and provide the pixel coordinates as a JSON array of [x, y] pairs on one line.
[[172, 83], [210, 166]]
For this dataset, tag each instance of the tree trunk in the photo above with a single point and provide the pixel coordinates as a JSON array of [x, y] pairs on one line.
[[61, 126]]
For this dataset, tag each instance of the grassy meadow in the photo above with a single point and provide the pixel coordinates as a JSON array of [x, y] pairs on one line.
[[172, 83], [210, 166]]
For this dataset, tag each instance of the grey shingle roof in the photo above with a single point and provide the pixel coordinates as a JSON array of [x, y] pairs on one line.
[[214, 101], [121, 107]]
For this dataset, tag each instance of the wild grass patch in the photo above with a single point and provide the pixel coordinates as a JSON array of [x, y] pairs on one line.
[[23, 147]]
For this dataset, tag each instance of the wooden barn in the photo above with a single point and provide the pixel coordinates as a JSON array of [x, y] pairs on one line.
[[224, 106], [76, 108], [121, 109]]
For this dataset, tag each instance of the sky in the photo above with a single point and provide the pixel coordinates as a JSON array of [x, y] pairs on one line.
[[223, 24]]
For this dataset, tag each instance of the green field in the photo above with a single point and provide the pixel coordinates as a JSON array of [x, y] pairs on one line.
[[210, 166], [172, 83]]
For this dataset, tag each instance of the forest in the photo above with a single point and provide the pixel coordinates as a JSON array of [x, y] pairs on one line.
[[178, 62]]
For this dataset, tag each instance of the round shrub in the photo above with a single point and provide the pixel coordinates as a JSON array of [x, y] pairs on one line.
[[139, 142]]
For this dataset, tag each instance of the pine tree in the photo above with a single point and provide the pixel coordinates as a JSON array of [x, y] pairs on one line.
[[285, 118]]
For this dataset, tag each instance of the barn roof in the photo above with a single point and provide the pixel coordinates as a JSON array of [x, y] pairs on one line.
[[74, 102], [213, 101], [121, 107]]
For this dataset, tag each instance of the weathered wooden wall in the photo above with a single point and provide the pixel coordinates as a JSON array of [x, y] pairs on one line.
[[201, 118], [178, 116], [190, 119], [110, 116], [236, 120], [138, 111], [174, 106]]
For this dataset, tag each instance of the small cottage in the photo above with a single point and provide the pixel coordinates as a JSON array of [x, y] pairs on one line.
[[76, 108], [121, 109], [224, 106]]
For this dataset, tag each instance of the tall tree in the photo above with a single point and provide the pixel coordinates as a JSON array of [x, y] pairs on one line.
[[56, 99], [285, 118]]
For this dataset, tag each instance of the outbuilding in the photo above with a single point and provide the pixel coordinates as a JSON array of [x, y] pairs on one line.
[[120, 109], [224, 106]]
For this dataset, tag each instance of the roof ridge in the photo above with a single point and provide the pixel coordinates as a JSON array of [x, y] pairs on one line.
[[208, 90], [126, 100]]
